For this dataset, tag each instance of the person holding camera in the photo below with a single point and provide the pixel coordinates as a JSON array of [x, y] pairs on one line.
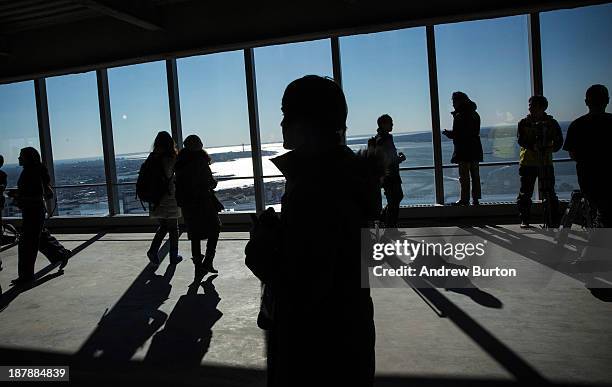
[[539, 136], [588, 141], [389, 160], [33, 189]]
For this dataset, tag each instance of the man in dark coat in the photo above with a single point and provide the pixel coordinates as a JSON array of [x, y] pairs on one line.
[[323, 327], [588, 141], [468, 149]]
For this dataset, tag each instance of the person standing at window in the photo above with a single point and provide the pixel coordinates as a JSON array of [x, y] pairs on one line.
[[166, 211], [195, 195], [588, 141], [539, 135], [33, 188], [389, 160], [468, 148]]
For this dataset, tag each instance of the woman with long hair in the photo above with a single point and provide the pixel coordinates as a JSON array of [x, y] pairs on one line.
[[195, 195], [33, 188], [166, 211]]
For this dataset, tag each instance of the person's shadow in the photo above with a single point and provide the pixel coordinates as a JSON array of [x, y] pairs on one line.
[[185, 338], [133, 319]]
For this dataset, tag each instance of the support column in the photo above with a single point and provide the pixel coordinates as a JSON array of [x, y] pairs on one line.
[[174, 101], [44, 128], [435, 113], [108, 148], [251, 86]]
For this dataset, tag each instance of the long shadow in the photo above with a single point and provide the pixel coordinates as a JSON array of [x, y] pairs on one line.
[[93, 373], [555, 256], [42, 275], [186, 336], [132, 320], [507, 358]]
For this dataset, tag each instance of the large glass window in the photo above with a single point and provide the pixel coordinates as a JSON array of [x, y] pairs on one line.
[[387, 73], [77, 144], [276, 67], [575, 55], [489, 61], [18, 129], [214, 106], [139, 104]]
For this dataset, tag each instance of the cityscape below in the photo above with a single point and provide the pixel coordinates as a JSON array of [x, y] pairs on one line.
[[81, 186]]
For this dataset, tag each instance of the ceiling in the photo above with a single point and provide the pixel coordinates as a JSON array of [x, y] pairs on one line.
[[51, 37]]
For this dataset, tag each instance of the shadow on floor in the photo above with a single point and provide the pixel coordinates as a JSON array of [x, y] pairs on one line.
[[558, 257], [186, 335], [100, 373]]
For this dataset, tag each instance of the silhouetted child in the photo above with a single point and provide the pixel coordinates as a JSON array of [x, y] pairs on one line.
[[390, 159]]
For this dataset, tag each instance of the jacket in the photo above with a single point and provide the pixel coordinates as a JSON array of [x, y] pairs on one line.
[[321, 313], [466, 134], [167, 207], [194, 194], [531, 134]]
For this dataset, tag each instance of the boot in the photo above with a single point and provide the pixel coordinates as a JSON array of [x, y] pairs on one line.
[[208, 263]]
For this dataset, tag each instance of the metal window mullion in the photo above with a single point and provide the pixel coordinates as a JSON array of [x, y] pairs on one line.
[[174, 102], [535, 54], [336, 62], [44, 128], [108, 147], [435, 113], [251, 86]]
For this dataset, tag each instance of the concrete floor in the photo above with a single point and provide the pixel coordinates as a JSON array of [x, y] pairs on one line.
[[109, 305]]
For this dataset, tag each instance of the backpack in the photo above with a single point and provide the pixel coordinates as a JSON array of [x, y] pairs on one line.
[[152, 182]]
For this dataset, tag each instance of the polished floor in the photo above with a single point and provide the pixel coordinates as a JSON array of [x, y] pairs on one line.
[[111, 316]]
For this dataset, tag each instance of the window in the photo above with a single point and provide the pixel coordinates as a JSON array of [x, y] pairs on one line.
[[489, 61], [276, 67], [77, 144], [575, 55], [214, 106], [139, 105], [18, 129], [387, 73]]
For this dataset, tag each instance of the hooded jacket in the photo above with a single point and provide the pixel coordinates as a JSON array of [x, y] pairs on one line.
[[466, 134]]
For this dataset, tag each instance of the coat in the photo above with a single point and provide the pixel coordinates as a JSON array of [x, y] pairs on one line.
[[194, 194], [167, 207], [466, 135], [323, 320]]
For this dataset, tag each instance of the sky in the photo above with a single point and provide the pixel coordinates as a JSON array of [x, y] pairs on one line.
[[383, 72]]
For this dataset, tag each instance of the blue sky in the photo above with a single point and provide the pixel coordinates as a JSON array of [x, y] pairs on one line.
[[383, 73]]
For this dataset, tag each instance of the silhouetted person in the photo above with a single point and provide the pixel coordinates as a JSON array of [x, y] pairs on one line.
[[33, 188], [3, 184], [468, 149], [588, 141], [166, 211], [195, 196], [539, 135], [322, 328], [386, 153]]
